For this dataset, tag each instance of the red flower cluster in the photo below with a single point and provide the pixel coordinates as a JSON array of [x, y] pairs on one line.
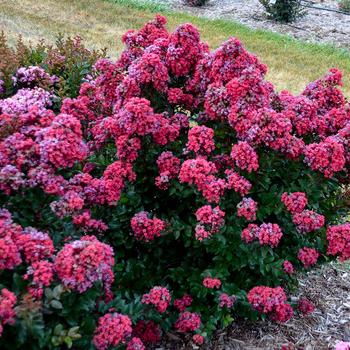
[[82, 263], [183, 303], [146, 229], [271, 301], [327, 156], [308, 256], [210, 221], [113, 329], [211, 283], [305, 306], [267, 234], [135, 344], [188, 322], [42, 273], [148, 332], [247, 208], [308, 221], [169, 167], [7, 312], [159, 297], [288, 267], [9, 233], [295, 202], [339, 241], [245, 157], [201, 140], [201, 173], [226, 300]]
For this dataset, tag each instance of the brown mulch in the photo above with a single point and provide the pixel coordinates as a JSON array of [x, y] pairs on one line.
[[327, 287]]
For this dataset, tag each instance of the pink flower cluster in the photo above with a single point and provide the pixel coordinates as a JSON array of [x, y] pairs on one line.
[[338, 238], [159, 297], [83, 262], [146, 229], [112, 329], [327, 156], [247, 208], [308, 256], [308, 221], [135, 344], [182, 303], [211, 283], [288, 267], [42, 273], [295, 202], [201, 173], [210, 221], [271, 301], [149, 332], [7, 312], [32, 76], [169, 167], [201, 140], [267, 234], [188, 322], [245, 157], [226, 300], [305, 306]]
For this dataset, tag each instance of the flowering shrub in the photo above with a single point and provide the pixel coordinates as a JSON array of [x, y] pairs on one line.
[[177, 190]]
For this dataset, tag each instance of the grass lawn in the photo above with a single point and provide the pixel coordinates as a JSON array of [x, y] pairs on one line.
[[292, 64]]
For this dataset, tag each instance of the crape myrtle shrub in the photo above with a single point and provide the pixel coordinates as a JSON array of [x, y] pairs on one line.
[[178, 191]]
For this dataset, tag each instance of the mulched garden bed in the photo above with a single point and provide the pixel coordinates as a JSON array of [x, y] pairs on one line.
[[327, 287]]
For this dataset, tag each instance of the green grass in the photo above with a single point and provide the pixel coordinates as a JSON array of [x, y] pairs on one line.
[[292, 63]]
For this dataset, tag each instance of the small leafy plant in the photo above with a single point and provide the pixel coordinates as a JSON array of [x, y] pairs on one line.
[[344, 5], [196, 2], [283, 10]]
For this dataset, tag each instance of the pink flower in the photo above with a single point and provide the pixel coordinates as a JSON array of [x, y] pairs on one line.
[[267, 234], [288, 267], [305, 306], [227, 300], [211, 283], [188, 321], [112, 329], [245, 157], [159, 297], [7, 312], [146, 229], [247, 208], [271, 301], [339, 241], [308, 221], [83, 262], [295, 202], [135, 344], [198, 339], [342, 346], [182, 303], [308, 256], [201, 140]]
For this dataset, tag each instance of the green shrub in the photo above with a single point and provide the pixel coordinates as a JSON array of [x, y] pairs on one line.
[[196, 2], [344, 5], [283, 10]]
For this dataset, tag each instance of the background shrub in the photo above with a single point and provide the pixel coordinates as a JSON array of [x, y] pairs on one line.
[[69, 60], [196, 2], [283, 10], [178, 191], [344, 5]]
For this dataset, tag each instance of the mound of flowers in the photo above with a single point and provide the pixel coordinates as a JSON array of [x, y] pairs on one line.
[[179, 190]]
